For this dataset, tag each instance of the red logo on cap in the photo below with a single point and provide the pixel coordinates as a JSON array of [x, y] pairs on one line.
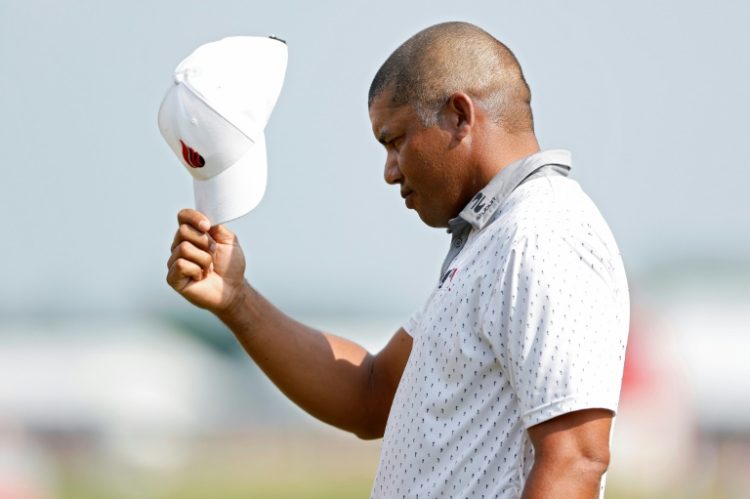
[[192, 157]]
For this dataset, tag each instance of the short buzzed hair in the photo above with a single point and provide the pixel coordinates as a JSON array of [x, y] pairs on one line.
[[456, 57]]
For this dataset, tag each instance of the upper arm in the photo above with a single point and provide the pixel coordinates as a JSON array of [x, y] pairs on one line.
[[571, 454], [579, 436], [386, 369], [389, 364]]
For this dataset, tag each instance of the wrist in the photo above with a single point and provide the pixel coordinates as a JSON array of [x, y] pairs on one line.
[[233, 310]]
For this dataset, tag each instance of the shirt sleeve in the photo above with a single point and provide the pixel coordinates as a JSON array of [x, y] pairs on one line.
[[412, 324], [562, 327]]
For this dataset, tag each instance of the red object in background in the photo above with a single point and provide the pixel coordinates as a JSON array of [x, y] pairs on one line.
[[12, 491], [636, 373]]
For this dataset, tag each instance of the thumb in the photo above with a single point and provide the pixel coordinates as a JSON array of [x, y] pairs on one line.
[[222, 235]]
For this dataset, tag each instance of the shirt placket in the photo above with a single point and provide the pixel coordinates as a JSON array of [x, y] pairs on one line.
[[459, 235]]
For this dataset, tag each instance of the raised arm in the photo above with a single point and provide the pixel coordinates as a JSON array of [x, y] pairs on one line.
[[333, 379]]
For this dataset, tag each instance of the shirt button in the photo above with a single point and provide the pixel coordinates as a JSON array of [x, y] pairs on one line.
[[458, 243]]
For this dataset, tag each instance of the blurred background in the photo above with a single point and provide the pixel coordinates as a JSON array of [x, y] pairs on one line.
[[112, 386]]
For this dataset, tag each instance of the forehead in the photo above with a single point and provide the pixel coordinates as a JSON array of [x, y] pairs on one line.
[[388, 119]]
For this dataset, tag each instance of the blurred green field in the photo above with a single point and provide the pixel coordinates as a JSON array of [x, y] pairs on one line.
[[279, 487], [286, 464], [275, 465]]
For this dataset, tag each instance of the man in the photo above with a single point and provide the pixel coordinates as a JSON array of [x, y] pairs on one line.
[[505, 383]]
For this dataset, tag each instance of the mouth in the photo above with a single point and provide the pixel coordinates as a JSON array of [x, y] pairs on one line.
[[408, 196]]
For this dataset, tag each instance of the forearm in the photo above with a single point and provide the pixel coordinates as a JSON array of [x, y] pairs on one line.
[[327, 376], [574, 478]]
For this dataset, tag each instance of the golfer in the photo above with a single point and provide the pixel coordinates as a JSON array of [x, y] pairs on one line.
[[505, 382]]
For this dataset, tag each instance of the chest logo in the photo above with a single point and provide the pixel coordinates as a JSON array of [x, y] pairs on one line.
[[447, 277]]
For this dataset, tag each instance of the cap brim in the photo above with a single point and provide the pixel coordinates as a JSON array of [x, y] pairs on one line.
[[235, 191]]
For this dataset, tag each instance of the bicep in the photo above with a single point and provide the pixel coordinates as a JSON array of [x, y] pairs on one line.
[[386, 369], [571, 454], [578, 435], [389, 363]]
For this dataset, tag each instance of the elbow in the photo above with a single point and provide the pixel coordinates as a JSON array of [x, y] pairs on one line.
[[375, 407], [589, 465], [373, 429], [595, 463], [369, 435]]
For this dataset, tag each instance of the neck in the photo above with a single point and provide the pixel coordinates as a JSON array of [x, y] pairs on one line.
[[500, 151]]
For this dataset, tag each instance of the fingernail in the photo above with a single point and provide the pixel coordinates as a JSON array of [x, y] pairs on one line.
[[204, 225], [212, 246]]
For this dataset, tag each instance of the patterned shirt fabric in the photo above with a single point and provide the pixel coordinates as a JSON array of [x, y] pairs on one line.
[[528, 321]]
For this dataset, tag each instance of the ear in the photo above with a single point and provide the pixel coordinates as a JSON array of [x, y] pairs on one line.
[[461, 114]]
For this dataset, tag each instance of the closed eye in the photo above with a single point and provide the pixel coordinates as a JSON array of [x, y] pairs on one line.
[[393, 141]]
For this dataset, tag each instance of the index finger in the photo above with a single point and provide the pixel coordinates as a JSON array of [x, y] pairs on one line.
[[194, 218]]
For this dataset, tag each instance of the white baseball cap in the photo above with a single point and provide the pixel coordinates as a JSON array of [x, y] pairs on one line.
[[213, 118]]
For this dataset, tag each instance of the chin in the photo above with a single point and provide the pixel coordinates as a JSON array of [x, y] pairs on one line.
[[434, 222]]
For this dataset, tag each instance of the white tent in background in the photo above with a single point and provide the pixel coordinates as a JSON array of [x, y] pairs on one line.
[[136, 388]]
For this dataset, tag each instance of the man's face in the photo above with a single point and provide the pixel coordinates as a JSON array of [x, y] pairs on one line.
[[425, 162]]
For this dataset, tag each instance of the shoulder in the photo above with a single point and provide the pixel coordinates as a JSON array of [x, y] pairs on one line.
[[551, 222], [552, 206]]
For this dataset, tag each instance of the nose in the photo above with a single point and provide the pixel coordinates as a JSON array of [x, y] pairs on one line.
[[392, 172]]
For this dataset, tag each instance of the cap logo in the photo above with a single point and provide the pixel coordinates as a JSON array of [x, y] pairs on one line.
[[192, 157]]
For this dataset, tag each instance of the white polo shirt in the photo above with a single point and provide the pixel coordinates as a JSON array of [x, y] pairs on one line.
[[528, 321]]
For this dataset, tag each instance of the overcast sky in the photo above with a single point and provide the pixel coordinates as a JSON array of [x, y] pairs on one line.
[[652, 100]]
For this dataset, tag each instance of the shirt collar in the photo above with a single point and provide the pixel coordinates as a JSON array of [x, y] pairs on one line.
[[486, 202]]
